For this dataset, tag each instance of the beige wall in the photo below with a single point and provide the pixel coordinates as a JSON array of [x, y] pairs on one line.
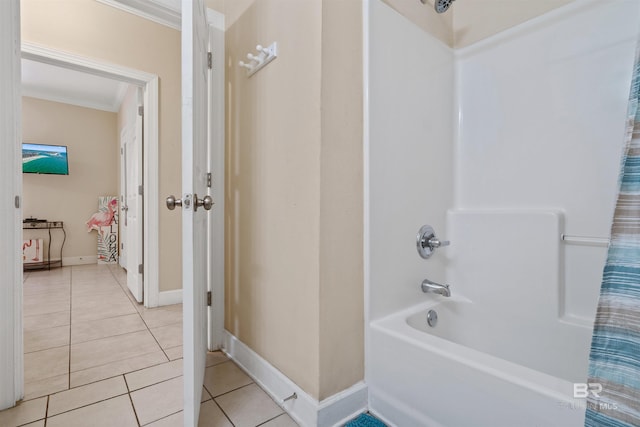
[[232, 9], [273, 179], [294, 196], [91, 139], [92, 29], [341, 199]]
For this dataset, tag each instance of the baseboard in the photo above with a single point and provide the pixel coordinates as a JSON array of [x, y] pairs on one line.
[[305, 410], [79, 260], [170, 297]]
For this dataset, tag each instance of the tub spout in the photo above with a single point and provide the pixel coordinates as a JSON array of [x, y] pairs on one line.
[[436, 288]]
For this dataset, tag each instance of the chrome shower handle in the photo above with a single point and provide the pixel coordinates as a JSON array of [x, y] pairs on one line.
[[427, 242], [434, 242]]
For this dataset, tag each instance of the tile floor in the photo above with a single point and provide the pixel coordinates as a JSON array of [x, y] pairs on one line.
[[93, 356]]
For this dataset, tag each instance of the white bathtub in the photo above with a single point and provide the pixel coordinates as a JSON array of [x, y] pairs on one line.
[[475, 368]]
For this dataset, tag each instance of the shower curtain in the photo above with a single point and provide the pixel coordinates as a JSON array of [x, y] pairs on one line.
[[614, 362]]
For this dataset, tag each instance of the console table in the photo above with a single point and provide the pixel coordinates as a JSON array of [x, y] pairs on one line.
[[45, 225]]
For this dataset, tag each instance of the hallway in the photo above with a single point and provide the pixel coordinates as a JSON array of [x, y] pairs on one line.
[[93, 356]]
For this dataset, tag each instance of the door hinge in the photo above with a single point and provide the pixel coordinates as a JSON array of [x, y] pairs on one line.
[[16, 202], [122, 246], [209, 60], [140, 269], [209, 179], [209, 298], [141, 110], [140, 190], [121, 150]]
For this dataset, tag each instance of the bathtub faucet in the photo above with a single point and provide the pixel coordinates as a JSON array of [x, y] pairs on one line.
[[436, 288]]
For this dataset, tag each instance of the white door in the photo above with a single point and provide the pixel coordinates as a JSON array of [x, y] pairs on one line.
[[11, 357], [133, 214], [122, 259], [131, 209], [194, 190]]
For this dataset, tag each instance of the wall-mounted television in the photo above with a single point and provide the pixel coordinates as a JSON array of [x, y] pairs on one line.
[[47, 159]]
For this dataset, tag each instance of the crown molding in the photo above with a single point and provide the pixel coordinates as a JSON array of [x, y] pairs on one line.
[[149, 10]]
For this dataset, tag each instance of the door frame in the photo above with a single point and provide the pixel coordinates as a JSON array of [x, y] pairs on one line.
[[216, 140], [11, 341], [149, 84]]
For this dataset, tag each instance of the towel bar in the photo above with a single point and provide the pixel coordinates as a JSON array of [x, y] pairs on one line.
[[598, 241]]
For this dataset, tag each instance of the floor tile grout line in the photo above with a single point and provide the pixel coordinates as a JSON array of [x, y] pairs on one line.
[[88, 404], [230, 391], [46, 411], [159, 382], [105, 318], [128, 358], [45, 349], [154, 337], [166, 416], [122, 288], [133, 406], [108, 336], [222, 410], [72, 388], [271, 419], [44, 329]]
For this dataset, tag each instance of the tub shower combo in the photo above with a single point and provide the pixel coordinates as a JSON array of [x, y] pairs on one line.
[[522, 134]]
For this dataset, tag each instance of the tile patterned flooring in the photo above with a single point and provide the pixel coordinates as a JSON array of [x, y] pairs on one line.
[[93, 356]]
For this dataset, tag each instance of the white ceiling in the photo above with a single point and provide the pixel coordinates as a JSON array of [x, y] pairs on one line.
[[67, 86]]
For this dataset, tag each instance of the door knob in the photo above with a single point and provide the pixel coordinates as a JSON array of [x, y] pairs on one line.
[[206, 202], [172, 202]]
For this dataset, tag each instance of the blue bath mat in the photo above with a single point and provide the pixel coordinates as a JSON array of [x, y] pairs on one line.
[[365, 420]]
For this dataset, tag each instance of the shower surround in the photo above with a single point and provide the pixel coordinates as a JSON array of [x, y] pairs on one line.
[[503, 146]]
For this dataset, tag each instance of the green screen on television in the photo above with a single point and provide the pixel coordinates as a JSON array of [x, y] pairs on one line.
[[46, 159]]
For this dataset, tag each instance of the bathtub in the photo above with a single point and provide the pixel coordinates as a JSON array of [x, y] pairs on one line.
[[474, 368]]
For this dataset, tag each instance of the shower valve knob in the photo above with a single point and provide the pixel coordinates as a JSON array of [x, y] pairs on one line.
[[427, 242], [437, 243]]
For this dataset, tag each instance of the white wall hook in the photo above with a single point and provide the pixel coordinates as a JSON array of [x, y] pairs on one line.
[[256, 61], [258, 58]]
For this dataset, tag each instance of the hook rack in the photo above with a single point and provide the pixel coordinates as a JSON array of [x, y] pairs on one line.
[[261, 59]]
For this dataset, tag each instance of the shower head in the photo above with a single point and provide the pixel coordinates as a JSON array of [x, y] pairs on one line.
[[441, 6]]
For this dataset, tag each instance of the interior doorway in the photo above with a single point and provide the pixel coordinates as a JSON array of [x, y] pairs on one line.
[[144, 255]]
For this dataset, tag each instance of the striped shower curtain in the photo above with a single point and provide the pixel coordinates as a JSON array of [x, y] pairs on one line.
[[614, 361]]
